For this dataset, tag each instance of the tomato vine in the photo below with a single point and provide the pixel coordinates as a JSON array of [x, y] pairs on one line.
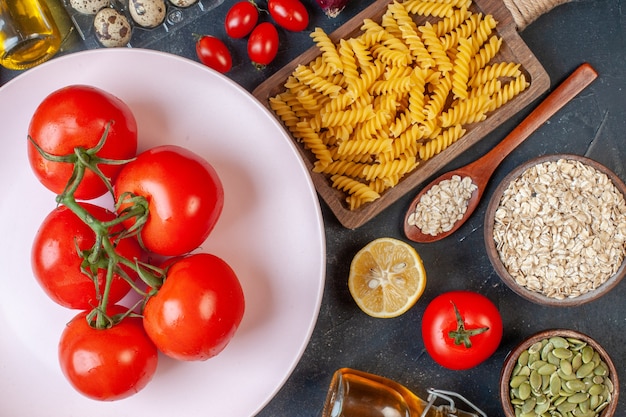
[[103, 253]]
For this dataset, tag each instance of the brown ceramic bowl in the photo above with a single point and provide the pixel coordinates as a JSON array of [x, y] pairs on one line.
[[494, 253], [512, 360]]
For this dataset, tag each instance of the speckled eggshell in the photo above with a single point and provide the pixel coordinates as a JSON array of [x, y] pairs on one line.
[[147, 13], [112, 28], [88, 6], [183, 3]]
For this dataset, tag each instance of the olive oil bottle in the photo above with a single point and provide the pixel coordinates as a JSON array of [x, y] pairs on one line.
[[29, 34], [354, 393]]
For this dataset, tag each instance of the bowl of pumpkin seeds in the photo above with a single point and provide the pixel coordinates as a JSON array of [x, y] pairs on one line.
[[559, 372]]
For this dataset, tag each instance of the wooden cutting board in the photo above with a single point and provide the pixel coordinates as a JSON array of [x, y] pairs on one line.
[[513, 49]]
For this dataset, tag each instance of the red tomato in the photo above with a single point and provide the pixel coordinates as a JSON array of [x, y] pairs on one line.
[[56, 263], [184, 193], [289, 14], [214, 53], [241, 18], [461, 329], [263, 44], [197, 311], [109, 364], [76, 117]]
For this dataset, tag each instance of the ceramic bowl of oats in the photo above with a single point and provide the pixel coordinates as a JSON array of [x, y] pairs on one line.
[[555, 230]]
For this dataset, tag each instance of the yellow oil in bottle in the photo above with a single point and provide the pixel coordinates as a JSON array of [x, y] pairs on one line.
[[354, 393], [28, 33]]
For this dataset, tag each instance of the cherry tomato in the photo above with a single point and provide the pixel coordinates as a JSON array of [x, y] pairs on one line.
[[184, 193], [214, 53], [56, 264], [263, 44], [289, 14], [109, 364], [461, 329], [76, 116], [197, 311], [241, 18]]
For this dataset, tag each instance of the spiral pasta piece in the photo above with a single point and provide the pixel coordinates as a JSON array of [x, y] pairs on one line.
[[438, 98], [450, 23], [491, 72], [435, 48], [426, 8], [460, 74], [354, 188], [508, 91], [465, 30], [396, 167], [312, 141], [466, 111], [441, 142], [485, 54], [329, 51], [308, 77], [346, 168], [364, 146]]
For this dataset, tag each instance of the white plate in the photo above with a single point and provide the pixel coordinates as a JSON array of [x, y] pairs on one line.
[[271, 232]]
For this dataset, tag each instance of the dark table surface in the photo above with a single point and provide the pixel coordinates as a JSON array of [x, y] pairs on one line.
[[593, 124]]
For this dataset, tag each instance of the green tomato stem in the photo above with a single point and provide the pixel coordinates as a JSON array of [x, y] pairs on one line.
[[461, 335]]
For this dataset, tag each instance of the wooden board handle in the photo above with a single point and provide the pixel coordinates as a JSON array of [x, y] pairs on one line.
[[527, 11]]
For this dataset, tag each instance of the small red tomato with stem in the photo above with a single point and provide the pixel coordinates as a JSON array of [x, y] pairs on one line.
[[71, 121], [196, 312], [107, 364], [263, 44], [184, 193], [58, 266], [289, 14], [241, 18], [214, 53], [461, 329]]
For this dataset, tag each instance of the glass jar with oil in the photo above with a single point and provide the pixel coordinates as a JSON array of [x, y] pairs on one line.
[[29, 34], [355, 393]]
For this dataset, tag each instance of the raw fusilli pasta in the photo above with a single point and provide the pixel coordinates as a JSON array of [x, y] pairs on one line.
[[371, 108]]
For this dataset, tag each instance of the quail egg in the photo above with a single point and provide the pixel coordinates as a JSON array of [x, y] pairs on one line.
[[112, 28], [183, 3], [88, 6], [147, 13]]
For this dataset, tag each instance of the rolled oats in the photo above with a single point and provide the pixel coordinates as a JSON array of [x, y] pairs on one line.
[[560, 228], [442, 206]]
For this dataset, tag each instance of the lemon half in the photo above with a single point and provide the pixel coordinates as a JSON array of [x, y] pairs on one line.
[[386, 277]]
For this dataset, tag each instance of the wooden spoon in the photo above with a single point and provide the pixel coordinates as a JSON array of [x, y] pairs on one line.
[[480, 171]]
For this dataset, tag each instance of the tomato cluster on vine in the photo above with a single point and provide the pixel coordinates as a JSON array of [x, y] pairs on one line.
[[166, 201], [242, 19]]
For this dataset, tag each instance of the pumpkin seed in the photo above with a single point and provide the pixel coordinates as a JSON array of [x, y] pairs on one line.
[[585, 369], [566, 366], [566, 407], [559, 342], [529, 405], [555, 384], [517, 380], [523, 358], [575, 385], [587, 354], [577, 398], [535, 381], [524, 390], [596, 389], [548, 369], [562, 353]]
